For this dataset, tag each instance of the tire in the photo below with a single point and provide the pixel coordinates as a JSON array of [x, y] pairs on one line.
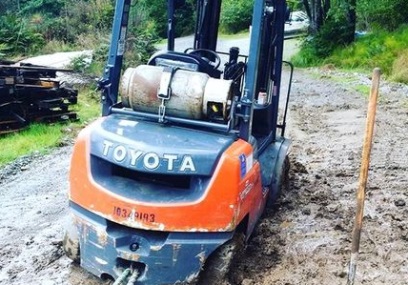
[[282, 185], [284, 182], [70, 244], [219, 263]]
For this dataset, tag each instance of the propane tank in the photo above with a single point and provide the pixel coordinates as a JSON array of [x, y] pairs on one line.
[[194, 95]]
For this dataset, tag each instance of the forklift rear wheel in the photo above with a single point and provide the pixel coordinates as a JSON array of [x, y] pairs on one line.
[[219, 263], [70, 244], [283, 183]]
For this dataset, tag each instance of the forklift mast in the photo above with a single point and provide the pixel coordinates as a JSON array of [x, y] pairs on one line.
[[263, 70], [109, 83], [206, 30]]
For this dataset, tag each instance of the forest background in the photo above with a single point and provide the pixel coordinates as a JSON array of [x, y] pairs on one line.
[[345, 33]]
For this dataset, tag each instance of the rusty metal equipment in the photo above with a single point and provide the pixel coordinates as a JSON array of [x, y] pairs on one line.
[[32, 93]]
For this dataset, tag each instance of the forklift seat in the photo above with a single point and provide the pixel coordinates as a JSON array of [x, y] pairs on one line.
[[184, 61]]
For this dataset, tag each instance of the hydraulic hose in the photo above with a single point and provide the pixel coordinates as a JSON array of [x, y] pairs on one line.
[[123, 277]]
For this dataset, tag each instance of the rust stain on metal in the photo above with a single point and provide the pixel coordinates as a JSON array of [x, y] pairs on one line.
[[102, 237], [130, 256]]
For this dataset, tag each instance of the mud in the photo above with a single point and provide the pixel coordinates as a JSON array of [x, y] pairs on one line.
[[305, 240]]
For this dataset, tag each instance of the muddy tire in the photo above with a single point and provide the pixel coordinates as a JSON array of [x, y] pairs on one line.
[[283, 184], [70, 244], [219, 263]]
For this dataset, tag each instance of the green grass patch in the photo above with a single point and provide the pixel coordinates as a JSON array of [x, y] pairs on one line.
[[88, 107], [405, 103], [400, 68], [37, 138], [306, 57], [363, 89], [40, 138], [387, 50], [57, 46], [379, 49]]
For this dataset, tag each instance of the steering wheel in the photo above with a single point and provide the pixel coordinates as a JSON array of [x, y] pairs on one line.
[[201, 52]]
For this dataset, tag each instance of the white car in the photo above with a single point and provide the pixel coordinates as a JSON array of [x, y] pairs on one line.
[[298, 23]]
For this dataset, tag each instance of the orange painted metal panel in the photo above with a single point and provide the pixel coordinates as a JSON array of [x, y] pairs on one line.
[[226, 201]]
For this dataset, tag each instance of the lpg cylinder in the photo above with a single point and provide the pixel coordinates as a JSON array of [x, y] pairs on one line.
[[140, 85], [191, 92]]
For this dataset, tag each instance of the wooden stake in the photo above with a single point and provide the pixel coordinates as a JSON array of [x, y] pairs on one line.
[[365, 162]]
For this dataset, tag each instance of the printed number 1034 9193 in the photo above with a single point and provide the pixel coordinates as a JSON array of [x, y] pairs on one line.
[[132, 214]]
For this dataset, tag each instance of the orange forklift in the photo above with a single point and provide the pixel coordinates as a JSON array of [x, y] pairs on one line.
[[171, 181]]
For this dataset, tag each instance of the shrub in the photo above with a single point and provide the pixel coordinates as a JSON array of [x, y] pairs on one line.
[[332, 35], [3, 49], [17, 36], [382, 14], [387, 50], [154, 13], [236, 15], [400, 68]]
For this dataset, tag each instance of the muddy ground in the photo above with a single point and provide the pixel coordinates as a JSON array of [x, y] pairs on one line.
[[306, 240]]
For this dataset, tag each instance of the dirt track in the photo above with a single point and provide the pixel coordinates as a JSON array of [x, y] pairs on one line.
[[307, 241]]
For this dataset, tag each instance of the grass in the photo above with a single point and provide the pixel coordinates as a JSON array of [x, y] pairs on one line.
[[37, 138], [405, 103], [379, 49], [88, 107], [363, 89], [400, 68], [40, 138], [387, 50]]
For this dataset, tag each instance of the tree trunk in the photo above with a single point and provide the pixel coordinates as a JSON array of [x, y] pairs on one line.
[[351, 20], [317, 12]]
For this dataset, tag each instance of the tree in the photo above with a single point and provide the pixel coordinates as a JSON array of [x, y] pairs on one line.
[[317, 11], [322, 11], [332, 24], [156, 12], [382, 14], [236, 15]]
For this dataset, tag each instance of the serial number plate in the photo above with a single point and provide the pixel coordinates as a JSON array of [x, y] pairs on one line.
[[132, 214]]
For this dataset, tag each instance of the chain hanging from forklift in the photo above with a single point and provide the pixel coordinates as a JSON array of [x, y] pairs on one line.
[[164, 92]]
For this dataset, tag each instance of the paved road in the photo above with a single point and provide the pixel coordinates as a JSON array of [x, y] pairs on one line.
[[57, 60], [291, 45]]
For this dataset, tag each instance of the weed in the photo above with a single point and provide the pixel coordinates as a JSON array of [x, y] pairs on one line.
[[37, 138], [400, 68], [383, 49], [53, 46], [88, 107], [363, 89], [80, 63]]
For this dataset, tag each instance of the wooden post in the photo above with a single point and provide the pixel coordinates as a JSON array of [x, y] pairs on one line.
[[365, 162]]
